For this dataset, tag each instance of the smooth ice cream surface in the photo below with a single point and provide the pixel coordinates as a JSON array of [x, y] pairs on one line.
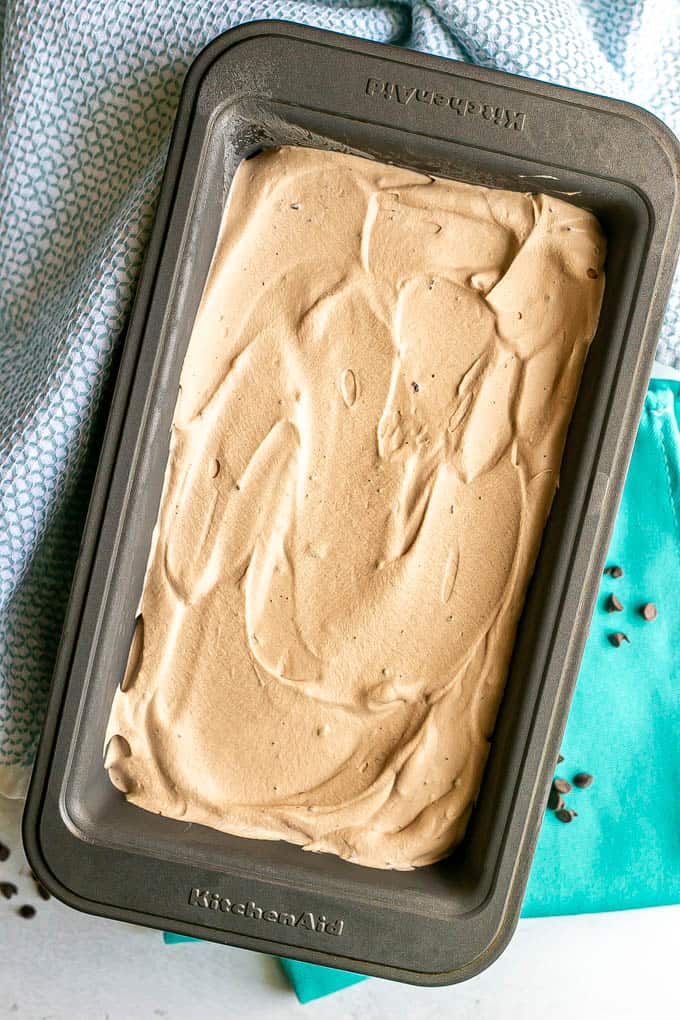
[[365, 447]]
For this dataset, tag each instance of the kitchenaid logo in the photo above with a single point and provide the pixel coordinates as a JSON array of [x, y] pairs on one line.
[[405, 94], [307, 920]]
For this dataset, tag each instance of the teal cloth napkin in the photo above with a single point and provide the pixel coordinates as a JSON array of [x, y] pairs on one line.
[[312, 982], [623, 848]]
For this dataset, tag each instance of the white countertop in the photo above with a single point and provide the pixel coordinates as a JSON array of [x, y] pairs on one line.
[[62, 965]]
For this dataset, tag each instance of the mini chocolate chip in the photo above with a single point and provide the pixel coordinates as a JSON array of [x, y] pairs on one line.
[[416, 387], [614, 604], [618, 638], [565, 814], [648, 611], [555, 800], [583, 780], [42, 891], [560, 759], [4, 852], [27, 910], [8, 889], [614, 571], [561, 785], [592, 273]]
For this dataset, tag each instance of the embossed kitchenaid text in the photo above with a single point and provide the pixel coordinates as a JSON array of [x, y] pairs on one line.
[[501, 116], [319, 923]]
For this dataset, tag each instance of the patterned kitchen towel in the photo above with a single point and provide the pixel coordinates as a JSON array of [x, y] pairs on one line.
[[623, 848], [88, 89]]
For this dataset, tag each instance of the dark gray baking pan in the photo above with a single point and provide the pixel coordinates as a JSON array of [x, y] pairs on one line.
[[268, 84]]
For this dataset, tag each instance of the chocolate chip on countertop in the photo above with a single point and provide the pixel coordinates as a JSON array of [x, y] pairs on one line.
[[560, 759], [648, 611], [614, 571], [583, 780], [555, 800], [4, 852], [614, 604], [42, 891], [561, 785], [27, 911], [618, 638], [565, 814], [8, 889]]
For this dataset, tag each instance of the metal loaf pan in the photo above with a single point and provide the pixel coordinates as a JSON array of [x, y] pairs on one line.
[[269, 84]]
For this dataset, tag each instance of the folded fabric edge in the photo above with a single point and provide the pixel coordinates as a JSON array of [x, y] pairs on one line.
[[14, 780]]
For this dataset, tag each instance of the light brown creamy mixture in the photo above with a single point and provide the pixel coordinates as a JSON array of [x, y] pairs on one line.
[[365, 447]]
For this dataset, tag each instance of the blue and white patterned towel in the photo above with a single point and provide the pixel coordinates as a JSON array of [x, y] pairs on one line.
[[88, 89]]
